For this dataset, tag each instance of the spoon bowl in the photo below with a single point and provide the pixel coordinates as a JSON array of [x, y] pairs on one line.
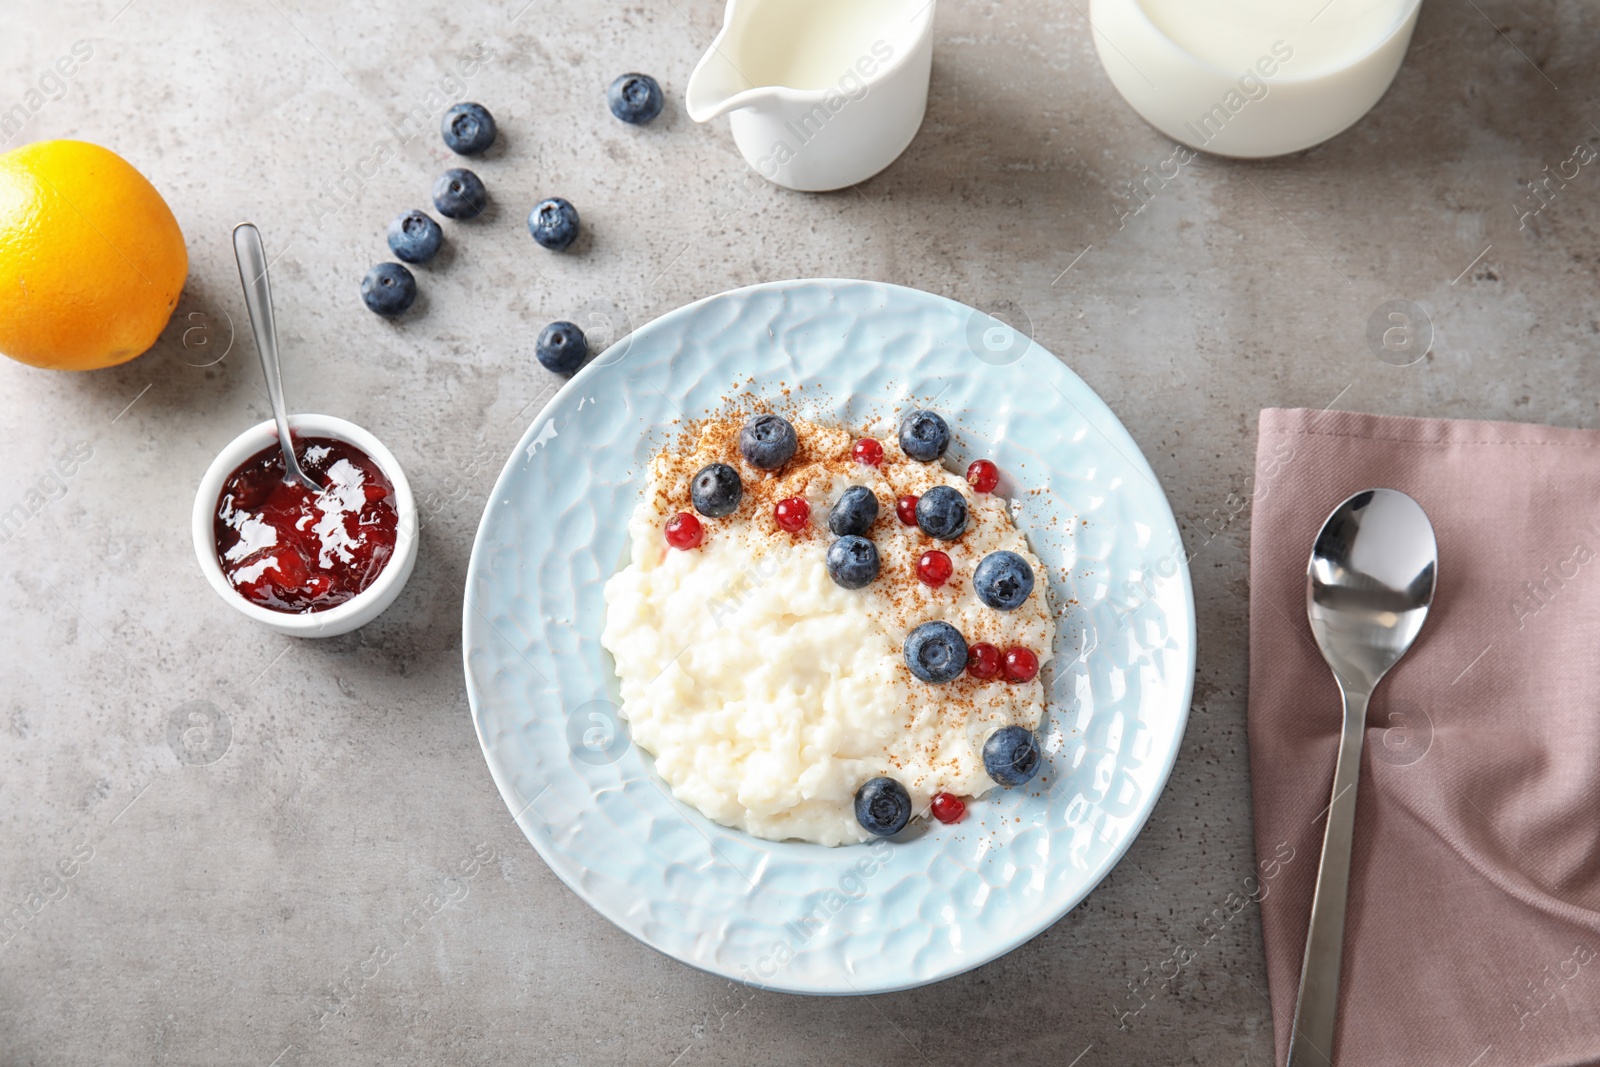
[[1369, 585]]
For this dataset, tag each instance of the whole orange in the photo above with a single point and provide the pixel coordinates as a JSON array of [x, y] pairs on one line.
[[91, 259]]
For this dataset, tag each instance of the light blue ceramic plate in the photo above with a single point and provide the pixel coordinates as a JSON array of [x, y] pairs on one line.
[[791, 916]]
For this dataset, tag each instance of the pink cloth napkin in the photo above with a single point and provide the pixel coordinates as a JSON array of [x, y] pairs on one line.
[[1472, 935]]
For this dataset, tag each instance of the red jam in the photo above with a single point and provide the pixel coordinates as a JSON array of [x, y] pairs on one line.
[[287, 548]]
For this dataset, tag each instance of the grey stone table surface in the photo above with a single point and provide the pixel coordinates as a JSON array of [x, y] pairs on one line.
[[269, 892]]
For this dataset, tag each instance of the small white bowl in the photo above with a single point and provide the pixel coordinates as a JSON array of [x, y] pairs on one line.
[[359, 609]]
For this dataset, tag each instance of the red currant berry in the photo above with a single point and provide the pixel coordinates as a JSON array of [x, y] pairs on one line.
[[685, 531], [792, 514], [868, 451], [1021, 664], [983, 661], [934, 569], [948, 808], [983, 475], [906, 509]]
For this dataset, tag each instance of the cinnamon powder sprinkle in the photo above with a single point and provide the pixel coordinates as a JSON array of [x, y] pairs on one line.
[[821, 464]]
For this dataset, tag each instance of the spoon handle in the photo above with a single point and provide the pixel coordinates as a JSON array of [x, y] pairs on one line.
[[1316, 1008], [252, 259]]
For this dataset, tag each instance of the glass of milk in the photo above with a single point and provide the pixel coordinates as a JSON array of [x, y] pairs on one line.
[[1252, 78]]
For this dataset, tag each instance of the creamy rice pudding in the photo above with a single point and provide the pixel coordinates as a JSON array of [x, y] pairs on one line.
[[804, 636]]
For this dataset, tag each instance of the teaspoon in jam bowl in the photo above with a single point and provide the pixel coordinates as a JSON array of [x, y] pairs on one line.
[[252, 259]]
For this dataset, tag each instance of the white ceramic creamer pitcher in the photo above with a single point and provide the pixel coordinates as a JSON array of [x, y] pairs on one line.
[[821, 94]]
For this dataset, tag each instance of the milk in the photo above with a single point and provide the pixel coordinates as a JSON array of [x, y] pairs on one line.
[[1252, 77], [810, 44], [1326, 37]]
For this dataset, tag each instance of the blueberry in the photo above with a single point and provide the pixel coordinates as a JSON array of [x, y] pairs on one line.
[[553, 223], [414, 237], [924, 436], [459, 194], [767, 442], [635, 98], [1011, 755], [716, 490], [942, 512], [388, 289], [467, 129], [562, 348], [1003, 580], [852, 561], [883, 806], [936, 652], [855, 512]]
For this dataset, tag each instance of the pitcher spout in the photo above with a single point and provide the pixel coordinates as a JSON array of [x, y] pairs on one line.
[[717, 87]]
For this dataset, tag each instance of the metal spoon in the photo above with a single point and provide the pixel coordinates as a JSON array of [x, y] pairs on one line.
[[258, 299], [1368, 588]]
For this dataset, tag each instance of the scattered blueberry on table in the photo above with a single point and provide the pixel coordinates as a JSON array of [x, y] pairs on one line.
[[1003, 580], [1011, 755], [459, 194], [936, 652], [553, 223], [854, 512], [468, 129], [852, 561], [635, 98], [414, 237], [562, 348], [942, 513], [767, 442], [388, 289], [924, 436], [716, 490], [883, 807]]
